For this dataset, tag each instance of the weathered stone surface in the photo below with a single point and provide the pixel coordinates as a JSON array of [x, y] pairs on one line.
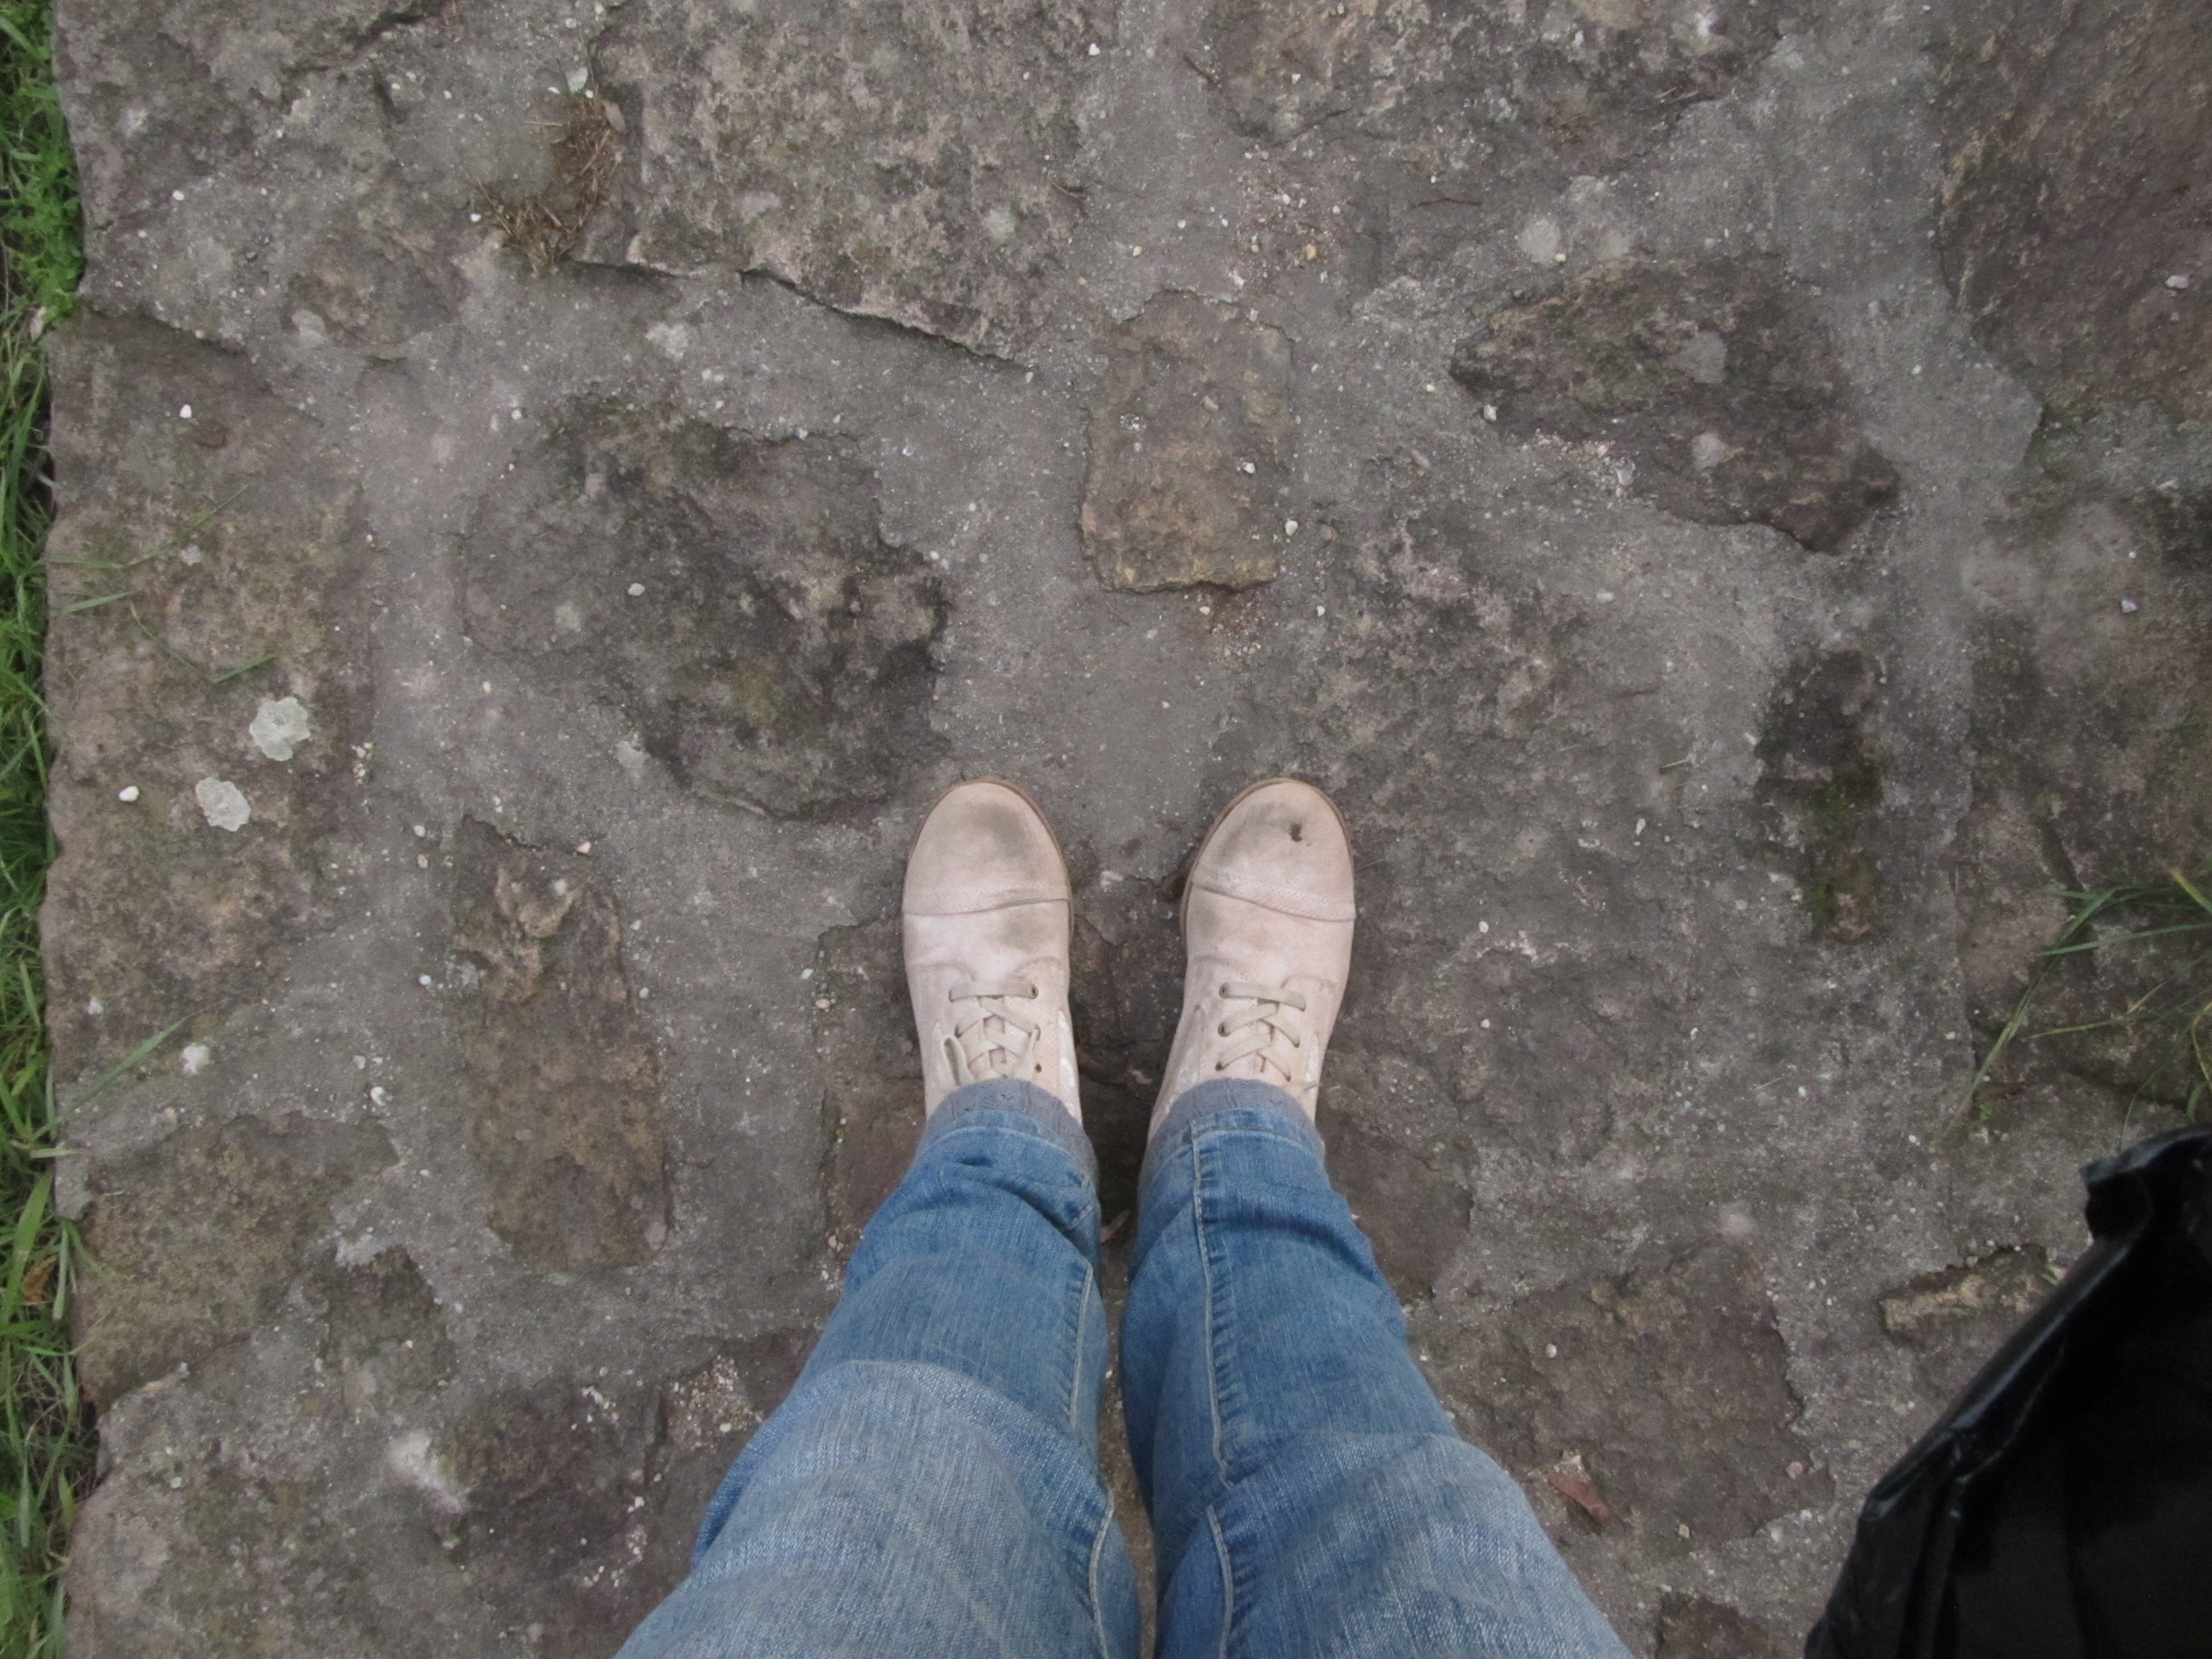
[[1597, 1030], [553, 1479], [872, 1077], [203, 563], [1670, 1383], [1190, 450], [1820, 777], [1956, 1317], [913, 161], [385, 1335], [562, 1080], [1695, 1627], [2078, 139], [735, 599], [1600, 80], [1715, 383], [196, 1238], [2091, 698]]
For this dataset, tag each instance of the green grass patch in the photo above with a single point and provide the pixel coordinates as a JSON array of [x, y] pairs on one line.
[[45, 1447], [2168, 920]]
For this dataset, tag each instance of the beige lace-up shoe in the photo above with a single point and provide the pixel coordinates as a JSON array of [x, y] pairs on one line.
[[1266, 923], [987, 929]]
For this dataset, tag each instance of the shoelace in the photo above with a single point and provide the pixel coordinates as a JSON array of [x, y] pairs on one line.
[[1271, 1035], [997, 1043]]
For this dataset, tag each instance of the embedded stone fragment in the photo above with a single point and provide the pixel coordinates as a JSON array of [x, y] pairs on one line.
[[913, 161], [563, 1082], [387, 1340], [1819, 788], [225, 575], [2079, 141], [1669, 1380], [194, 1239], [1956, 1317], [1191, 447], [1715, 383], [734, 598]]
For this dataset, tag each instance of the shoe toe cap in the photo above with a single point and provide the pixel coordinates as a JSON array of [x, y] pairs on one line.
[[1282, 845], [982, 847]]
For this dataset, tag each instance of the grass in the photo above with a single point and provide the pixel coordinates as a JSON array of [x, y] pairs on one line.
[[45, 1449], [2174, 1008]]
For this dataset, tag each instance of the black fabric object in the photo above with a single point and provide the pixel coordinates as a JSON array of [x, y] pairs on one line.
[[2061, 1509]]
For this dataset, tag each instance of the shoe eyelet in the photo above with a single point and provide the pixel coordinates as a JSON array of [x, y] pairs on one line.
[[1224, 990], [1222, 1030]]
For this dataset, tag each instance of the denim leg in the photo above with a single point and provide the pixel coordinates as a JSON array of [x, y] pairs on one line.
[[931, 1486], [1309, 1496]]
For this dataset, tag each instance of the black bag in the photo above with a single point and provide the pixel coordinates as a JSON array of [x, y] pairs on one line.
[[2062, 1508]]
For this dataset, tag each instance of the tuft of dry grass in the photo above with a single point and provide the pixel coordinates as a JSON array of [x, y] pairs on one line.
[[547, 225]]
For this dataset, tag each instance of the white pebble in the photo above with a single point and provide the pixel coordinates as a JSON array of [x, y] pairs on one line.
[[637, 590], [1290, 526], [2129, 606], [185, 411], [2178, 280], [127, 794], [422, 979], [194, 1060]]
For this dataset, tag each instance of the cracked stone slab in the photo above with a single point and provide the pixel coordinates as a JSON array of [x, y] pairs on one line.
[[734, 598], [914, 159], [1714, 384], [1191, 450]]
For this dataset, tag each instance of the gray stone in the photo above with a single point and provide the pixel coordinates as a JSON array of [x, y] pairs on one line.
[[734, 600], [1190, 450], [197, 578], [917, 162], [564, 1082], [196, 1239], [1669, 1382], [1714, 384], [1695, 1627], [2078, 139]]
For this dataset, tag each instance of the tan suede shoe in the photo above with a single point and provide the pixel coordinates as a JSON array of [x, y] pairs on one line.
[[986, 921], [1267, 924]]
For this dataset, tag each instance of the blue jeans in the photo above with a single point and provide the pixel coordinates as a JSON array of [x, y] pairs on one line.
[[931, 1486]]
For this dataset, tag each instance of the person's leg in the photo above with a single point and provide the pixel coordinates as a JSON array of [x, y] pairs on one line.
[[931, 1486], [1308, 1494]]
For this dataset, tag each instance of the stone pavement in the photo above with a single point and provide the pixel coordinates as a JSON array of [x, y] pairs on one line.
[[1719, 489]]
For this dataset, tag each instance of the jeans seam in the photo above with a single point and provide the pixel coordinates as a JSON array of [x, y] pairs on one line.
[[1228, 1578], [1097, 1554], [1206, 1272], [1075, 1362]]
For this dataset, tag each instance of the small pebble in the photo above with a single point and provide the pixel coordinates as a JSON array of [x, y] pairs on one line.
[[1290, 526], [184, 412], [583, 847], [422, 979], [127, 794], [194, 1059], [637, 590], [2178, 280], [2129, 606]]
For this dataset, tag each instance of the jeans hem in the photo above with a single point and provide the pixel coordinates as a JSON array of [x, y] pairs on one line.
[[1260, 1106], [1034, 1111]]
